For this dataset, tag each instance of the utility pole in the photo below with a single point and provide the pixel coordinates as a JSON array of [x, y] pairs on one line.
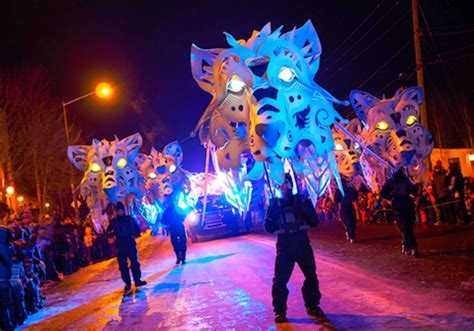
[[419, 70], [419, 61]]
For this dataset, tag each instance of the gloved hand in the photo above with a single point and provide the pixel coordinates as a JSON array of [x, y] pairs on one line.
[[270, 225], [272, 219]]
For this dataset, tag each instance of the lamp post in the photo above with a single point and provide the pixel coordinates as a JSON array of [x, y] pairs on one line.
[[103, 91], [10, 191]]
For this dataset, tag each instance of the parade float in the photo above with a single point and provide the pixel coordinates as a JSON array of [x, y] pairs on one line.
[[267, 117]]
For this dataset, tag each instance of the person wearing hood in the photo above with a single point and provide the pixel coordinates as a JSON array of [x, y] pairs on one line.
[[290, 217], [126, 229], [399, 189], [174, 220], [5, 273], [347, 211]]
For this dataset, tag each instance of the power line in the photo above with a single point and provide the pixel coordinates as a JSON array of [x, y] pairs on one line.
[[412, 72], [386, 63], [452, 33], [356, 29], [450, 53], [456, 50], [451, 59], [370, 45], [450, 85], [365, 34], [452, 27]]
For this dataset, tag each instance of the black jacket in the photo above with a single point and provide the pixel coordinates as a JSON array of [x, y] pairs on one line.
[[292, 214], [398, 189], [172, 218], [350, 195], [125, 229]]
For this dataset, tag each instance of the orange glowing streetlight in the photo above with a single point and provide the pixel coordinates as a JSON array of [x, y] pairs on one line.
[[47, 205], [103, 91], [10, 190], [20, 199]]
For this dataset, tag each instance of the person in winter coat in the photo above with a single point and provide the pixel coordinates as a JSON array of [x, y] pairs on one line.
[[443, 198], [126, 229], [290, 217], [347, 211], [17, 304], [398, 189], [175, 222], [456, 188]]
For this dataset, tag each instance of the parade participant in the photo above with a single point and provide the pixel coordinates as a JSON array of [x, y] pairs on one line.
[[290, 217], [126, 229], [175, 222], [347, 211], [398, 190]]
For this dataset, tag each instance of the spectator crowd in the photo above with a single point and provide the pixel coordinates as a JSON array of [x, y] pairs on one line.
[[37, 252]]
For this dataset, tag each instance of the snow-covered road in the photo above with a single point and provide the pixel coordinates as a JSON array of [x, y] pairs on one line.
[[226, 284]]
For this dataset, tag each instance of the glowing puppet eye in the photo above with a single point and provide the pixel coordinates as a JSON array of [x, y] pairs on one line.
[[236, 84], [152, 175], [338, 147], [286, 74], [172, 168], [95, 167], [122, 162], [411, 120], [356, 147], [382, 125]]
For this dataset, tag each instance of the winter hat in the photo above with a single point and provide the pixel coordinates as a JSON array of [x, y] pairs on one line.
[[120, 206]]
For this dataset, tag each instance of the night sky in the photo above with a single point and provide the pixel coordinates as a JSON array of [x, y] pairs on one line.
[[143, 48]]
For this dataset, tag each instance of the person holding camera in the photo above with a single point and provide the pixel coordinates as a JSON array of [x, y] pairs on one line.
[[290, 217]]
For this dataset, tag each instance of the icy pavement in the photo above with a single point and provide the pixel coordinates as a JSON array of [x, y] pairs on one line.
[[226, 284]]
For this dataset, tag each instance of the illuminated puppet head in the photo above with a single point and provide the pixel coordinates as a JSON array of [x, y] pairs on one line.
[[175, 151], [224, 126], [156, 169], [292, 115], [347, 151], [224, 74], [90, 188], [111, 165], [392, 128], [284, 113]]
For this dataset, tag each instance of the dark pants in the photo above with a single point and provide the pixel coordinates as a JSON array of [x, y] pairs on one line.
[[5, 299], [461, 210], [17, 307], [128, 251], [178, 240], [348, 217], [33, 299], [294, 248], [405, 220], [447, 209]]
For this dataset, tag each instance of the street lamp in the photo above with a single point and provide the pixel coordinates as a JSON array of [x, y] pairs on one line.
[[47, 205], [20, 199], [10, 190], [102, 90]]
